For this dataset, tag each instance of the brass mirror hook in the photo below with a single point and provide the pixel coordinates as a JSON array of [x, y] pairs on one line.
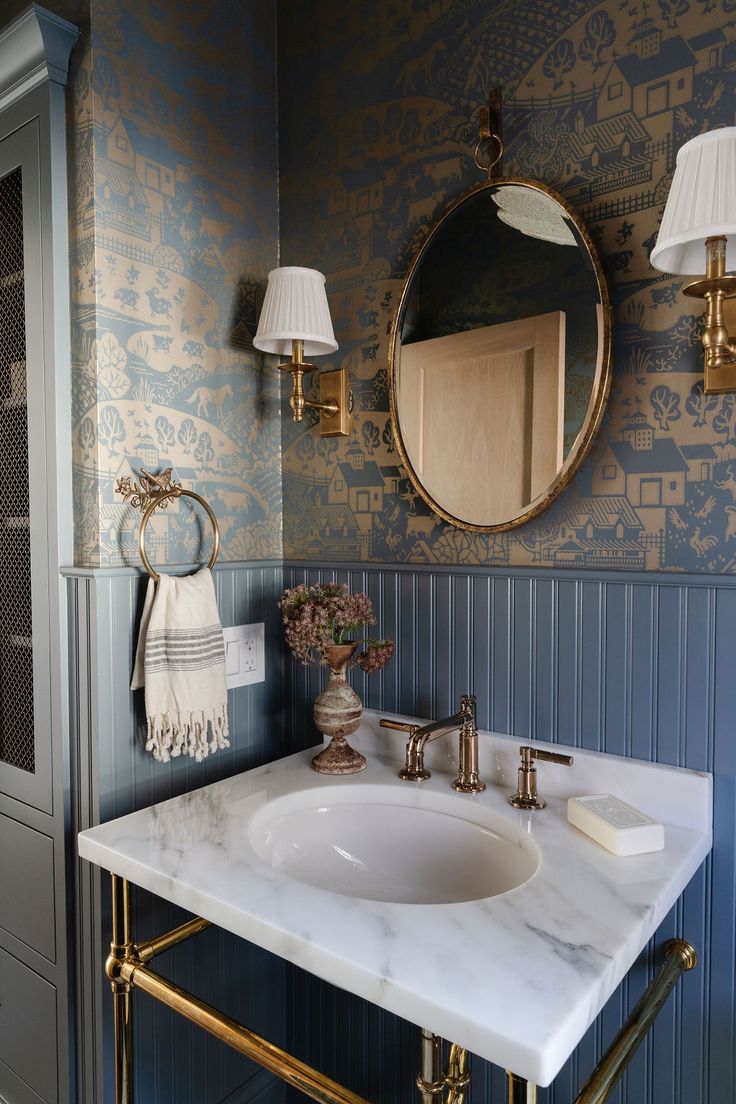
[[484, 143], [490, 132]]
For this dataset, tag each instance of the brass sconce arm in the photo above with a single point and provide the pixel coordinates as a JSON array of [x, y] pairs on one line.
[[336, 398], [719, 348]]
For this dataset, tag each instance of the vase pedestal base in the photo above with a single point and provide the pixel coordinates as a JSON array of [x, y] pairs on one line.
[[339, 758]]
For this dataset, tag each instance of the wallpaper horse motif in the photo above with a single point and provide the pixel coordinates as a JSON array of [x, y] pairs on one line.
[[174, 228]]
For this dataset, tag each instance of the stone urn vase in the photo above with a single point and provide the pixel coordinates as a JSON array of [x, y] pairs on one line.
[[337, 714]]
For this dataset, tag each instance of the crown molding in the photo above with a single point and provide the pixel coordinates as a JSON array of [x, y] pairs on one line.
[[34, 49]]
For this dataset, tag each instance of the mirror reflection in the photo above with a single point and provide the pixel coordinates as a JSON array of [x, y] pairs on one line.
[[498, 354]]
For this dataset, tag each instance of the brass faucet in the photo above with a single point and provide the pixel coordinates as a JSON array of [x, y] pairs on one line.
[[468, 780], [527, 796]]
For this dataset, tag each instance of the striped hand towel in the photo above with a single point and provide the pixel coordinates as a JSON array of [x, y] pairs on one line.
[[180, 660]]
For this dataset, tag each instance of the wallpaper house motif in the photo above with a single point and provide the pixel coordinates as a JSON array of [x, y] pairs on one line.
[[597, 100], [175, 229]]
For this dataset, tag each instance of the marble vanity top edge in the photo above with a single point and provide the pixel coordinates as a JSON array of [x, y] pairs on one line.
[[167, 850], [537, 1058]]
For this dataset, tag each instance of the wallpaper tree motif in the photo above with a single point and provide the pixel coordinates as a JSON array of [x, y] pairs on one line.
[[378, 119], [175, 227]]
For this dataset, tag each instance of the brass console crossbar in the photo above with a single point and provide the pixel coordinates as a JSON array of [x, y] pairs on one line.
[[678, 957], [144, 952], [301, 1076], [127, 970]]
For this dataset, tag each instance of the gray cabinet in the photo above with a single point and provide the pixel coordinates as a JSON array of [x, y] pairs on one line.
[[27, 1023], [25, 745], [36, 844]]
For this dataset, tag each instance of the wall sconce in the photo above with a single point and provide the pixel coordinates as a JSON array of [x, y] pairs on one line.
[[699, 231], [295, 321]]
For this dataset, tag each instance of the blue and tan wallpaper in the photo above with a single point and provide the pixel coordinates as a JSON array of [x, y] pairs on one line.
[[174, 228], [378, 108]]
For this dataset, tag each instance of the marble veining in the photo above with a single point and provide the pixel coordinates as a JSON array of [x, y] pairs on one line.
[[516, 978]]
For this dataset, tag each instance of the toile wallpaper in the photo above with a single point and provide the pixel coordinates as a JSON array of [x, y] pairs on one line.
[[177, 176], [377, 114], [174, 228]]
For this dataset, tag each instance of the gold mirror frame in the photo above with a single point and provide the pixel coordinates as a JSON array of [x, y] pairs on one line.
[[601, 383]]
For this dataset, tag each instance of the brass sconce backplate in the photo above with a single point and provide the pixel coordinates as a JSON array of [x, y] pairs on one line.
[[333, 387]]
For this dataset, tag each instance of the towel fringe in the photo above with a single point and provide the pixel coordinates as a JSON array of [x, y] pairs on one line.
[[170, 735]]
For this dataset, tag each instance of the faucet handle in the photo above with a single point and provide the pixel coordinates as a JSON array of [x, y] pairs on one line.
[[526, 796], [398, 726], [549, 756], [414, 769]]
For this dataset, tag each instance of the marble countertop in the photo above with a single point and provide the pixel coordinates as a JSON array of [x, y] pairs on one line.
[[516, 978]]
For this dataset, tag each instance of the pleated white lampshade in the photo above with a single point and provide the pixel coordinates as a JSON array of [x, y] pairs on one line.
[[701, 204], [295, 309]]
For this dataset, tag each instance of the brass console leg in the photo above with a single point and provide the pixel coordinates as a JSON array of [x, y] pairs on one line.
[[120, 949], [436, 1086], [519, 1091], [430, 1081], [458, 1075]]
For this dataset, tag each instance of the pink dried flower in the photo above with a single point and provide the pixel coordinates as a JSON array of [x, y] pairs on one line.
[[376, 655], [316, 616]]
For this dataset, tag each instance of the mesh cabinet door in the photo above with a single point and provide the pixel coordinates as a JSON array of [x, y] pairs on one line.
[[25, 732]]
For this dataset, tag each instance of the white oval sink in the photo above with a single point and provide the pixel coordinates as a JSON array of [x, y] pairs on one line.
[[381, 850]]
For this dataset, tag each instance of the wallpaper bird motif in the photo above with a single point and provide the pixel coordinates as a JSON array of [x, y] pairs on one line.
[[174, 228], [378, 117]]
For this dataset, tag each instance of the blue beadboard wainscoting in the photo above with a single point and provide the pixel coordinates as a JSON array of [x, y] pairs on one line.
[[641, 665], [112, 774], [633, 664]]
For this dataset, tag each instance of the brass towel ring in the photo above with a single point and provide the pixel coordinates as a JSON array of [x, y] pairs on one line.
[[176, 492]]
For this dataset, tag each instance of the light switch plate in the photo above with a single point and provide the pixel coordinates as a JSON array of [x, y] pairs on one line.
[[245, 661]]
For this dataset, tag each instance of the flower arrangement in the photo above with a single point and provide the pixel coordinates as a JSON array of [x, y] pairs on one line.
[[317, 617]]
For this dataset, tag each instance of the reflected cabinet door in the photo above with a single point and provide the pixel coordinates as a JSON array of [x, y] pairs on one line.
[[504, 385], [25, 736]]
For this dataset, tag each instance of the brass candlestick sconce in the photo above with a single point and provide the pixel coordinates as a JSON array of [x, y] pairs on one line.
[[719, 348], [699, 224], [295, 320]]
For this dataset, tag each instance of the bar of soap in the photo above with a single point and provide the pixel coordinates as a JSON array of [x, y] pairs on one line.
[[618, 827]]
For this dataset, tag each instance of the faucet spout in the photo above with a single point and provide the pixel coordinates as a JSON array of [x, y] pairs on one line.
[[468, 779], [431, 731], [415, 770]]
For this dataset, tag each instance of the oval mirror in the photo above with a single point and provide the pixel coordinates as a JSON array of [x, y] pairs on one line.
[[500, 355]]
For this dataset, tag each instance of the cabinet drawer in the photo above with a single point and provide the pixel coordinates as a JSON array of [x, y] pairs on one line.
[[28, 1028], [27, 869]]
